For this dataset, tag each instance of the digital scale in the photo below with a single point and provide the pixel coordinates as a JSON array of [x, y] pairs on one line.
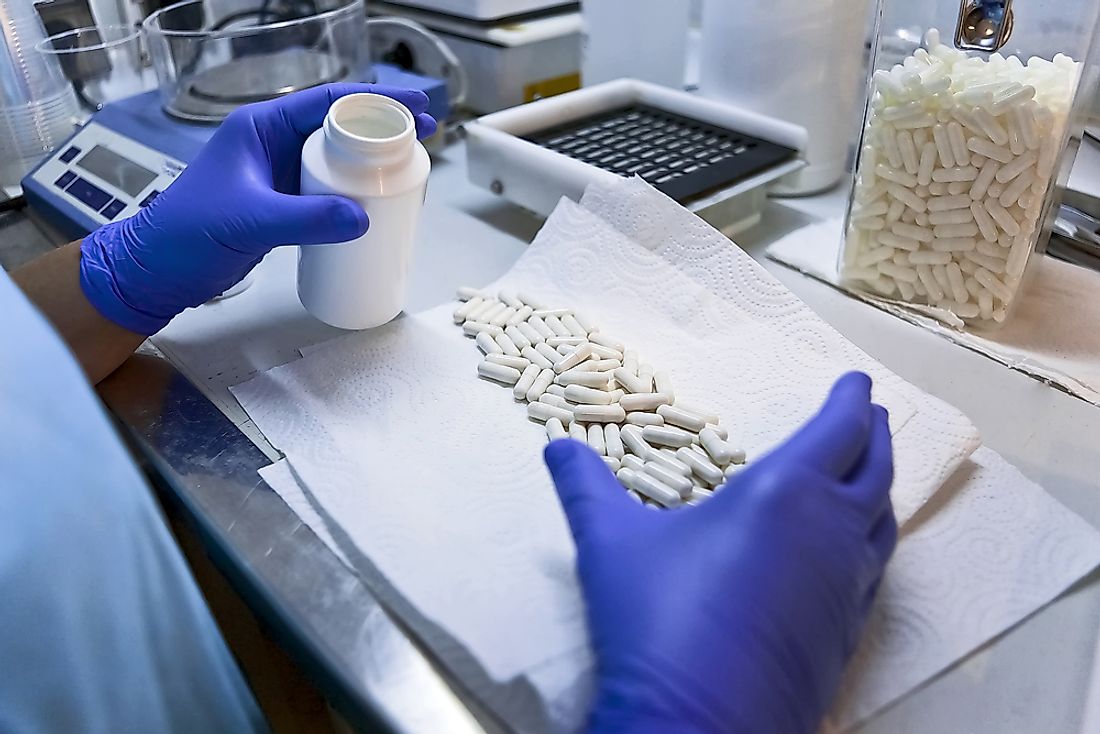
[[131, 151]]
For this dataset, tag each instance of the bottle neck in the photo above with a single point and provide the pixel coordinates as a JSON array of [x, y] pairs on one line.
[[370, 129]]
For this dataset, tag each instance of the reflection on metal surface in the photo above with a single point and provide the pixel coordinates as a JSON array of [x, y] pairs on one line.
[[323, 614], [984, 25]]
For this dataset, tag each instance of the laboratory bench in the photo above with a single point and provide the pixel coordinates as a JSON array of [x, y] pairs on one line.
[[204, 454]]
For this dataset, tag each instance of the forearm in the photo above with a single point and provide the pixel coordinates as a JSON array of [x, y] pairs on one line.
[[52, 283]]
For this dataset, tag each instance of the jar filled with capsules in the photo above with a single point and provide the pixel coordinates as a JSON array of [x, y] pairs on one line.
[[968, 137]]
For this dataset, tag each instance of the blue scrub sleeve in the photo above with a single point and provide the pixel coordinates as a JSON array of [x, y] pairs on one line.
[[102, 628]]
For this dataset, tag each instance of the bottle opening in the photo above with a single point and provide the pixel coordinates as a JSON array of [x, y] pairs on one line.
[[370, 118]]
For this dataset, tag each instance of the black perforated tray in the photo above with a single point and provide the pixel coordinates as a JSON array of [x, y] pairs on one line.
[[683, 157]]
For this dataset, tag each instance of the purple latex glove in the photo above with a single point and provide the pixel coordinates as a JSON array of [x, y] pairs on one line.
[[737, 615], [238, 200]]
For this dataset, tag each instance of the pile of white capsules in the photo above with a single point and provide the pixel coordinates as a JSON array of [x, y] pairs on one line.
[[588, 386], [959, 154]]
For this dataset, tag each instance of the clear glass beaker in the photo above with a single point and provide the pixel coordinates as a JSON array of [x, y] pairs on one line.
[[103, 63], [210, 62], [966, 145]]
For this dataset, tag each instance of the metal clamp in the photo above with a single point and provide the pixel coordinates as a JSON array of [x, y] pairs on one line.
[[984, 25]]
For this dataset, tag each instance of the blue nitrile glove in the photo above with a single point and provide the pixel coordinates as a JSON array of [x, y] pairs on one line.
[[739, 614], [234, 203]]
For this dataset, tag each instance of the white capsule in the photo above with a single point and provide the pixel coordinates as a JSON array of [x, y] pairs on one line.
[[600, 380], [649, 486], [481, 313], [1026, 125], [517, 338], [635, 442], [548, 352], [970, 229], [540, 385], [952, 216], [1016, 189], [943, 146], [612, 463], [526, 381], [503, 317], [557, 313], [487, 344], [587, 395], [1001, 216], [645, 374], [986, 225], [634, 462], [946, 203], [558, 390], [565, 341], [668, 458], [957, 282], [473, 328], [516, 363], [506, 345], [543, 412], [643, 402], [644, 419], [992, 128], [634, 496], [596, 440], [603, 340], [606, 353], [497, 309], [540, 326], [908, 152], [556, 400], [958, 142], [985, 306], [602, 365], [570, 322], [908, 198], [563, 350], [530, 300], [908, 291], [554, 323], [683, 419], [555, 430], [927, 164], [599, 414], [875, 256], [893, 214], [995, 286], [955, 175], [927, 257], [913, 232], [631, 382], [700, 466], [1011, 170], [498, 373], [897, 272], [613, 441], [666, 436], [520, 317], [466, 293], [574, 358], [989, 150], [679, 483], [467, 308], [617, 394], [898, 177], [537, 357], [889, 239], [530, 334], [718, 450], [510, 299]]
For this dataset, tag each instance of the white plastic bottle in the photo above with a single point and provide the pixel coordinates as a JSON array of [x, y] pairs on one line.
[[367, 151]]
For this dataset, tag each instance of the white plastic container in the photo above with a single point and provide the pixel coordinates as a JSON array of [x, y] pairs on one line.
[[367, 151]]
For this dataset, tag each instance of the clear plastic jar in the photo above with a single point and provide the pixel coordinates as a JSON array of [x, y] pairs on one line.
[[961, 153]]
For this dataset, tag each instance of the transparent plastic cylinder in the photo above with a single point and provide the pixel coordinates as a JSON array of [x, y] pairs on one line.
[[964, 152]]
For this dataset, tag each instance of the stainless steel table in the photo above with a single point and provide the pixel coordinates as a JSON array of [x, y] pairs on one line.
[[1035, 678]]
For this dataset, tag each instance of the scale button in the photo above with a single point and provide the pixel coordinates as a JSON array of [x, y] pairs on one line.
[[90, 194], [149, 199], [111, 210], [65, 179], [69, 154]]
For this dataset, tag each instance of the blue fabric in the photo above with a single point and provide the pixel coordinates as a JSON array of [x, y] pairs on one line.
[[737, 615], [102, 628]]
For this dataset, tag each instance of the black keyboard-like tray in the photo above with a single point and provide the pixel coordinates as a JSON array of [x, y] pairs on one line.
[[680, 156]]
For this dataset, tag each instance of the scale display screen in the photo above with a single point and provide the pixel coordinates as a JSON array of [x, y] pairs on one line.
[[121, 173]]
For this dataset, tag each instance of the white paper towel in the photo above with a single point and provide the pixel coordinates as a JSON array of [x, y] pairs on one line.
[[435, 477], [1054, 334], [990, 551]]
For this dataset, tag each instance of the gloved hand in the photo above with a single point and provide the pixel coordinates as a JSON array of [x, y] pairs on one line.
[[739, 614], [230, 207]]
